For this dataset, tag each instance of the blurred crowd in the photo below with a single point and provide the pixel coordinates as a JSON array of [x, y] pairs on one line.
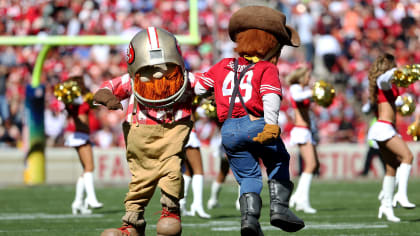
[[339, 41]]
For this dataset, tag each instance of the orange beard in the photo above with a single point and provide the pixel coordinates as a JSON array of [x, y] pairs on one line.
[[157, 89]]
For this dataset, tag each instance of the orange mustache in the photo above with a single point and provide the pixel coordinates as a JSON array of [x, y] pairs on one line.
[[157, 89]]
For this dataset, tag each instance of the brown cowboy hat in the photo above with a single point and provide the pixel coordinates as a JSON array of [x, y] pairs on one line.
[[263, 18]]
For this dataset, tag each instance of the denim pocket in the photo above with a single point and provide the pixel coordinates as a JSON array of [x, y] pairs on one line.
[[255, 127], [229, 135]]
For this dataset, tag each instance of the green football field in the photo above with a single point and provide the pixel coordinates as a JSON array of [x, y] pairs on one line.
[[344, 208]]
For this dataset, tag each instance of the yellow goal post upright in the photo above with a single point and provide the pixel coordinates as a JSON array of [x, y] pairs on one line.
[[34, 170]]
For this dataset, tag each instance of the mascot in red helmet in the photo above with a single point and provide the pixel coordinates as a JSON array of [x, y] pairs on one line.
[[156, 129]]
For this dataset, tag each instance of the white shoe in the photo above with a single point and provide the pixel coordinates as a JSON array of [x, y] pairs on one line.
[[402, 201], [292, 201], [301, 205], [199, 210], [78, 207], [90, 200], [182, 207], [212, 203], [388, 212], [305, 207], [93, 203], [237, 205]]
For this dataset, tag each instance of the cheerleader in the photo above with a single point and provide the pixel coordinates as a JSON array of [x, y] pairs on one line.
[[193, 174], [393, 149], [78, 110], [301, 135]]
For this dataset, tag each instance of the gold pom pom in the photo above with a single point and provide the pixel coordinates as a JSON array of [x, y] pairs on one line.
[[408, 107], [414, 130], [323, 93], [209, 108], [67, 91], [196, 101], [88, 97], [406, 75]]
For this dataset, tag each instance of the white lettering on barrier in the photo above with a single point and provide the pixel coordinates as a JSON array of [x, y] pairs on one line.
[[112, 166], [337, 161]]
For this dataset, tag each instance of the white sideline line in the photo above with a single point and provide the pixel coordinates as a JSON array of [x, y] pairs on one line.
[[213, 225], [45, 216], [313, 226], [372, 215], [235, 226], [24, 230], [345, 226]]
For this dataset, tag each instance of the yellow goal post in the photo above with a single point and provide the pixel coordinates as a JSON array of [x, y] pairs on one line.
[[34, 171]]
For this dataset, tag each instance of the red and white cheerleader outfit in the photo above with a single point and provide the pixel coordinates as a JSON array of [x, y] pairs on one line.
[[299, 97], [383, 130]]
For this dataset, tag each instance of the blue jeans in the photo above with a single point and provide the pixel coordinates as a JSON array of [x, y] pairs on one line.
[[244, 154], [4, 108]]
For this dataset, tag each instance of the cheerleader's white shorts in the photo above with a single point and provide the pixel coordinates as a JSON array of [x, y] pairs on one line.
[[300, 135], [193, 141], [76, 139], [381, 131]]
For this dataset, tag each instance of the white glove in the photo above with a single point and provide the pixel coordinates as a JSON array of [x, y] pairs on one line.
[[399, 101], [366, 108], [78, 100]]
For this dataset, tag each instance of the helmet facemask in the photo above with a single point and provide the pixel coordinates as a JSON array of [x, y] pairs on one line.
[[158, 82]]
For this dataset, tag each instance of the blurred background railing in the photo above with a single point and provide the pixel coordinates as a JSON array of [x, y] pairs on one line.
[[360, 31], [338, 161]]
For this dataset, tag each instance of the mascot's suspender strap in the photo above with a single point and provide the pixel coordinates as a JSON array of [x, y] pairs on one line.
[[134, 113], [236, 88]]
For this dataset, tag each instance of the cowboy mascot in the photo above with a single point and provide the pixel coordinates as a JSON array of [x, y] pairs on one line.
[[248, 93]]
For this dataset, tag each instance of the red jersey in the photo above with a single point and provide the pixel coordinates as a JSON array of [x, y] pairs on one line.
[[74, 110], [297, 91], [389, 95], [303, 104], [260, 79]]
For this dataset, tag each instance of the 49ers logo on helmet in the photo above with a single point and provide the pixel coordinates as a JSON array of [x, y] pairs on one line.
[[130, 54]]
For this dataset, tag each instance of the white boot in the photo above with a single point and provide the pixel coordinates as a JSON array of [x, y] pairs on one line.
[[77, 206], [214, 195], [297, 194], [197, 205], [301, 196], [304, 206], [237, 204], [183, 202], [386, 202], [397, 177], [90, 200], [400, 197], [293, 200], [381, 195]]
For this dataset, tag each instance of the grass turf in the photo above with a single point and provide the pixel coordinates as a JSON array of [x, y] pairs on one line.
[[344, 208]]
